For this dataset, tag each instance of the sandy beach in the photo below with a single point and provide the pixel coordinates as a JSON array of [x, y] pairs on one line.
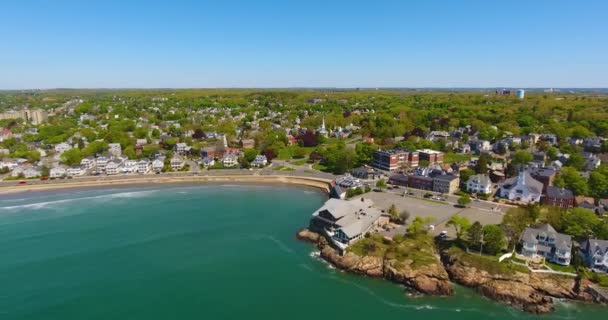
[[314, 182]]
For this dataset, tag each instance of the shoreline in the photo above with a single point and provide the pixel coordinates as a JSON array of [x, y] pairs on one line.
[[317, 183]]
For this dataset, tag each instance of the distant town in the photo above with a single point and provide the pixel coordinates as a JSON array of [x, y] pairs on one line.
[[525, 169]]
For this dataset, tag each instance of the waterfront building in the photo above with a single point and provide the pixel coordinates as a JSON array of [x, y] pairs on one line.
[[259, 161], [143, 166], [158, 165], [74, 171], [88, 163], [344, 222], [113, 167], [230, 160], [545, 242], [595, 254], [177, 163], [57, 172]]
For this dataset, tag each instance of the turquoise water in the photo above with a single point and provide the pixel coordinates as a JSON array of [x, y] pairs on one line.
[[203, 252]]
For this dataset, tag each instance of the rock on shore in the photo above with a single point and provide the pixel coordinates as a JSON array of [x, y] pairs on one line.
[[430, 279], [531, 292]]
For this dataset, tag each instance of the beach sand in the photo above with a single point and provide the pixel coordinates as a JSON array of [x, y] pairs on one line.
[[319, 183]]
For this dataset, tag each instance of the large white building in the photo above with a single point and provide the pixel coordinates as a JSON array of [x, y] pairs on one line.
[[522, 188]]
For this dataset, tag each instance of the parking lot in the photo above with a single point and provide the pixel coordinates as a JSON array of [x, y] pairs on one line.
[[440, 211]]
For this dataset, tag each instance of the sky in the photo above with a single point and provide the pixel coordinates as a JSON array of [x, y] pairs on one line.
[[302, 43]]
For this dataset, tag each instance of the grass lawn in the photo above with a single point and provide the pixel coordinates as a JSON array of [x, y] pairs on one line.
[[420, 250], [320, 167], [487, 262], [451, 157], [561, 268]]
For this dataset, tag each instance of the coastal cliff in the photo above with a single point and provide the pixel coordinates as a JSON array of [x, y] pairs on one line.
[[531, 292], [431, 278], [503, 282]]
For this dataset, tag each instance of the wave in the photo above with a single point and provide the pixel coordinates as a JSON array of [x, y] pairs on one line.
[[49, 204]]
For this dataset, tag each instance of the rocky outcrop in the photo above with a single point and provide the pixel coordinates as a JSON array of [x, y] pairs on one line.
[[531, 292], [430, 279]]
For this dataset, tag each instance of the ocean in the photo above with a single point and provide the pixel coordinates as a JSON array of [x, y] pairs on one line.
[[197, 252]]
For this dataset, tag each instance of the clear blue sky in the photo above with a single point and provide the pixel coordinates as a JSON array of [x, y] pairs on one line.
[[303, 43]]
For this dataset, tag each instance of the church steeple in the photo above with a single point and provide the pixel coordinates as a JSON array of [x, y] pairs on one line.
[[323, 124]]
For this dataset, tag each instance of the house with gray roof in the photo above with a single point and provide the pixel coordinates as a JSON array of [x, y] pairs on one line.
[[595, 254], [522, 188], [479, 183], [544, 241], [559, 197], [345, 222]]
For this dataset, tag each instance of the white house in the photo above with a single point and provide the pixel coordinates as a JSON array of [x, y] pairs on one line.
[[62, 147], [595, 254], [479, 183], [113, 167], [58, 172], [158, 165], [177, 163], [129, 166], [259, 161], [10, 164], [31, 173], [208, 161], [143, 166], [522, 188], [182, 148], [102, 162], [545, 242], [88, 163], [115, 149], [230, 160], [74, 171]]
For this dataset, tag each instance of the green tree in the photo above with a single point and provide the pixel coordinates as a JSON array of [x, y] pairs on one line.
[[419, 226], [364, 152], [392, 211], [381, 184], [514, 222], [581, 222], [464, 177], [521, 157], [493, 239], [250, 154], [404, 216], [464, 200], [71, 157], [45, 172], [461, 225], [570, 178], [576, 161], [598, 184], [474, 234]]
